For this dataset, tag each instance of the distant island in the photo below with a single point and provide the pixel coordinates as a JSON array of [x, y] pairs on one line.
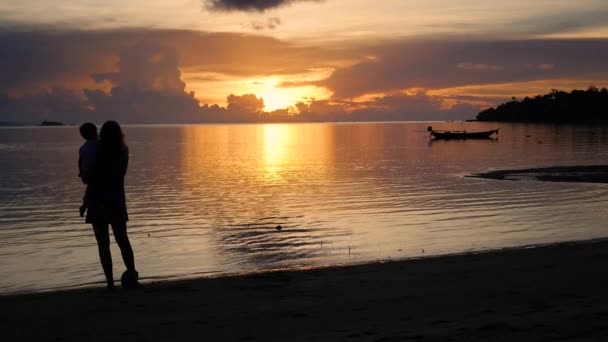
[[9, 124], [589, 105], [51, 123]]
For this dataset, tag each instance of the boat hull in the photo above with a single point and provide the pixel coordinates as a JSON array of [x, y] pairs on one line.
[[463, 135]]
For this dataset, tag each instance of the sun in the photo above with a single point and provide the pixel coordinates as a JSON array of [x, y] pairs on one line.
[[279, 97], [276, 97], [213, 88]]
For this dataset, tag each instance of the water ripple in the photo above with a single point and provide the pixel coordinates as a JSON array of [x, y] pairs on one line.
[[207, 200]]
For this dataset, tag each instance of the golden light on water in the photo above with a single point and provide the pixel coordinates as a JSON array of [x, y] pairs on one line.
[[273, 153], [277, 139]]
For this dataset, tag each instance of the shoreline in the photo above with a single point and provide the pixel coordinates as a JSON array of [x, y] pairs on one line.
[[551, 292]]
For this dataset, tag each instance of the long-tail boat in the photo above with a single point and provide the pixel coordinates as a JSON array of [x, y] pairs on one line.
[[461, 134]]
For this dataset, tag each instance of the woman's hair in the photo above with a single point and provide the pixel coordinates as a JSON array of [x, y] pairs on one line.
[[111, 135]]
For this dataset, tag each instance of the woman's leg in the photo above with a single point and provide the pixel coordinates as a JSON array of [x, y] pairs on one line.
[[103, 244], [120, 234]]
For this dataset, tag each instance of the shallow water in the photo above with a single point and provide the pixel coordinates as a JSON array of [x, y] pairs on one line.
[[205, 200]]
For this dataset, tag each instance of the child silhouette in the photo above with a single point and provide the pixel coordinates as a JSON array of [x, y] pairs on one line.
[[86, 157]]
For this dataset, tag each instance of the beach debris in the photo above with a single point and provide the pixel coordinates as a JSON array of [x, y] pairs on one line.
[[348, 249], [148, 234], [422, 250], [279, 227], [400, 250]]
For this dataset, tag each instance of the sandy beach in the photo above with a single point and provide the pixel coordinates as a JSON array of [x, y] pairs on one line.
[[550, 293]]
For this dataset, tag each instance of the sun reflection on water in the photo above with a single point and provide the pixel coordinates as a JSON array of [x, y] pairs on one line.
[[277, 141], [207, 199]]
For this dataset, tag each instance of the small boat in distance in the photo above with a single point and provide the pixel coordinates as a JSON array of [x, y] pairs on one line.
[[461, 134]]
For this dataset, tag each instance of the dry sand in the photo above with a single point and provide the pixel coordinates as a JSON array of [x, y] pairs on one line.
[[551, 293]]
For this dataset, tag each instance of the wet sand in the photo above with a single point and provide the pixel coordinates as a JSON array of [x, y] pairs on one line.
[[581, 174], [550, 293]]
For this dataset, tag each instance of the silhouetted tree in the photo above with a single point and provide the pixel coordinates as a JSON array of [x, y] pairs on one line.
[[557, 106]]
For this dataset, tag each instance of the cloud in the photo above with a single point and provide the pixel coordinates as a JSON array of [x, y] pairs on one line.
[[134, 76], [248, 5], [479, 67], [572, 20], [431, 64], [138, 76], [380, 19], [146, 87], [546, 66], [417, 106], [146, 66], [398, 106], [248, 103], [270, 24], [37, 60], [34, 61], [56, 103]]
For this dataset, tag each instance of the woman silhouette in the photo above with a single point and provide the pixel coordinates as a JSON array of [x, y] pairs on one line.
[[107, 202]]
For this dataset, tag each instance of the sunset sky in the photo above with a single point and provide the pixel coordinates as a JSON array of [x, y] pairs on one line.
[[273, 60]]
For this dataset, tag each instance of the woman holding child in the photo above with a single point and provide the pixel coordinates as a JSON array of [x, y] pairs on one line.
[[106, 202]]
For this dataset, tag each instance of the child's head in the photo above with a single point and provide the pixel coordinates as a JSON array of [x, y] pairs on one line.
[[88, 131]]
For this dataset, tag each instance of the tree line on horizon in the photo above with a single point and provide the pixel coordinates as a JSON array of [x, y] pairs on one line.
[[589, 105]]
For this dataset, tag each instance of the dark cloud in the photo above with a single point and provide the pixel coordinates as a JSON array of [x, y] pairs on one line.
[[240, 108], [248, 103], [38, 60], [136, 76], [146, 87], [411, 107], [248, 5], [576, 19], [146, 66], [394, 107], [441, 64], [57, 103], [133, 76]]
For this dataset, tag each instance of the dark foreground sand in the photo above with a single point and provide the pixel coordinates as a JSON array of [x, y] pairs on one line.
[[553, 293]]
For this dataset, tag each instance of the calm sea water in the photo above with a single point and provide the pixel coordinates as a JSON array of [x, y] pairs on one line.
[[205, 200]]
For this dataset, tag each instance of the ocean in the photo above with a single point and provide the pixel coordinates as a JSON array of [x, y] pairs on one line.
[[207, 200]]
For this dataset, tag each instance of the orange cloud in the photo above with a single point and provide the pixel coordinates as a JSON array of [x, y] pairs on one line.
[[181, 76]]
